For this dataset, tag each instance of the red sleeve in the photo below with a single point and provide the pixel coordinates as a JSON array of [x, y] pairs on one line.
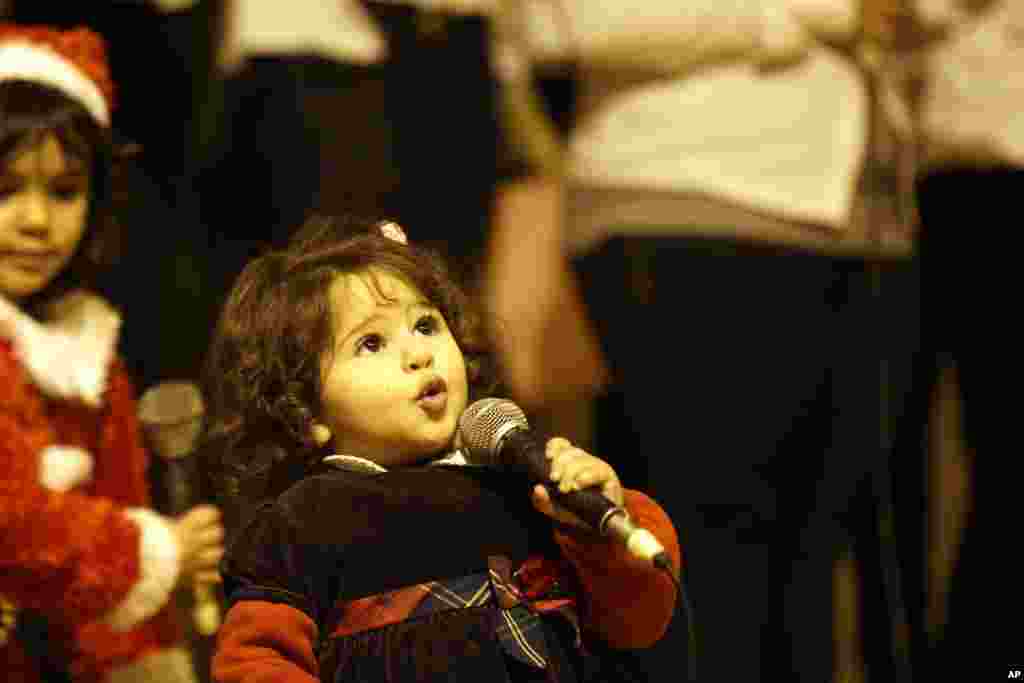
[[68, 555], [628, 605], [121, 474], [121, 460], [265, 642], [64, 552], [121, 465]]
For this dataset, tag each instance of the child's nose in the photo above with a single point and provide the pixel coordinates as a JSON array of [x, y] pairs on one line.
[[418, 356], [35, 214]]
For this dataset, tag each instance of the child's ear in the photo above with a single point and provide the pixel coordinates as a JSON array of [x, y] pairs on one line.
[[321, 433]]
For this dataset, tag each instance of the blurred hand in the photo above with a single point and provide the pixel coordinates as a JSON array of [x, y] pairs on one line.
[[200, 536], [573, 469]]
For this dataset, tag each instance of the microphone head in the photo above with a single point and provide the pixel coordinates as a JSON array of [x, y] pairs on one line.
[[484, 424], [171, 415]]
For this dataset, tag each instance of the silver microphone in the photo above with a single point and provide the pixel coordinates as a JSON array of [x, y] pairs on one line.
[[495, 432]]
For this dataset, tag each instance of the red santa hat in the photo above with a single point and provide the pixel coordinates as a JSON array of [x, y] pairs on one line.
[[72, 61]]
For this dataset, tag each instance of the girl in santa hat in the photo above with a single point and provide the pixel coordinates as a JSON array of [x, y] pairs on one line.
[[87, 571]]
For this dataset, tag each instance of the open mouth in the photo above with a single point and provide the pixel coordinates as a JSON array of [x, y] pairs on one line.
[[433, 397], [433, 388]]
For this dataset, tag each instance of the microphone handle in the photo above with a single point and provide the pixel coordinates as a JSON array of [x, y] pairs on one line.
[[176, 497], [523, 451], [206, 611]]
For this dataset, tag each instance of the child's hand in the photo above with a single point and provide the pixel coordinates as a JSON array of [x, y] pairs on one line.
[[573, 469], [201, 537]]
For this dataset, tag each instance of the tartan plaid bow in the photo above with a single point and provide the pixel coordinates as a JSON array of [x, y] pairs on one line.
[[524, 597]]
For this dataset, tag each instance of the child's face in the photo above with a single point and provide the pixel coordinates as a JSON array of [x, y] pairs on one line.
[[44, 199], [396, 381]]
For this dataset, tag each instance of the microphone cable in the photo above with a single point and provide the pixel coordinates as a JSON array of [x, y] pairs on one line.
[[682, 605]]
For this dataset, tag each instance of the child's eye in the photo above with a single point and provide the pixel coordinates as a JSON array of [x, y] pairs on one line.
[[371, 343], [9, 187], [428, 325], [68, 189]]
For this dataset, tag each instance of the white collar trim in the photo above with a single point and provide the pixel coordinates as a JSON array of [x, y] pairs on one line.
[[68, 357], [354, 463]]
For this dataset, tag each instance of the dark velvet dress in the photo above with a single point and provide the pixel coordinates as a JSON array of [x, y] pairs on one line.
[[432, 573]]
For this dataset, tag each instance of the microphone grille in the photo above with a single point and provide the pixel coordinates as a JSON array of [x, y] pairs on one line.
[[170, 403], [483, 425], [171, 416]]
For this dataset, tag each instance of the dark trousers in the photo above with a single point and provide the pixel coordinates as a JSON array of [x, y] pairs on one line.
[[969, 298], [753, 387]]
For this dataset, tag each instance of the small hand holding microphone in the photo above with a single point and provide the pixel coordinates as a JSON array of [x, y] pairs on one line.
[[171, 414], [495, 432]]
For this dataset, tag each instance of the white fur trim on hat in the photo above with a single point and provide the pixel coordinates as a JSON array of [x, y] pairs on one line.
[[62, 468], [159, 566], [26, 61]]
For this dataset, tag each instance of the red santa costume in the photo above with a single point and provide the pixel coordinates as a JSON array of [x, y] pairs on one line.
[[78, 546]]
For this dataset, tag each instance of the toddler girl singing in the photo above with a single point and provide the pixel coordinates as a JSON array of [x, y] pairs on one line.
[[339, 371]]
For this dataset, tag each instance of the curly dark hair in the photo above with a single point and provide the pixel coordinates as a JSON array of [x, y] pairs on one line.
[[28, 112], [263, 371]]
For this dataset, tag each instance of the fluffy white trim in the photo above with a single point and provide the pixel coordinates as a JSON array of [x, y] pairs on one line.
[[159, 566], [173, 665], [62, 468], [25, 61], [69, 356]]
